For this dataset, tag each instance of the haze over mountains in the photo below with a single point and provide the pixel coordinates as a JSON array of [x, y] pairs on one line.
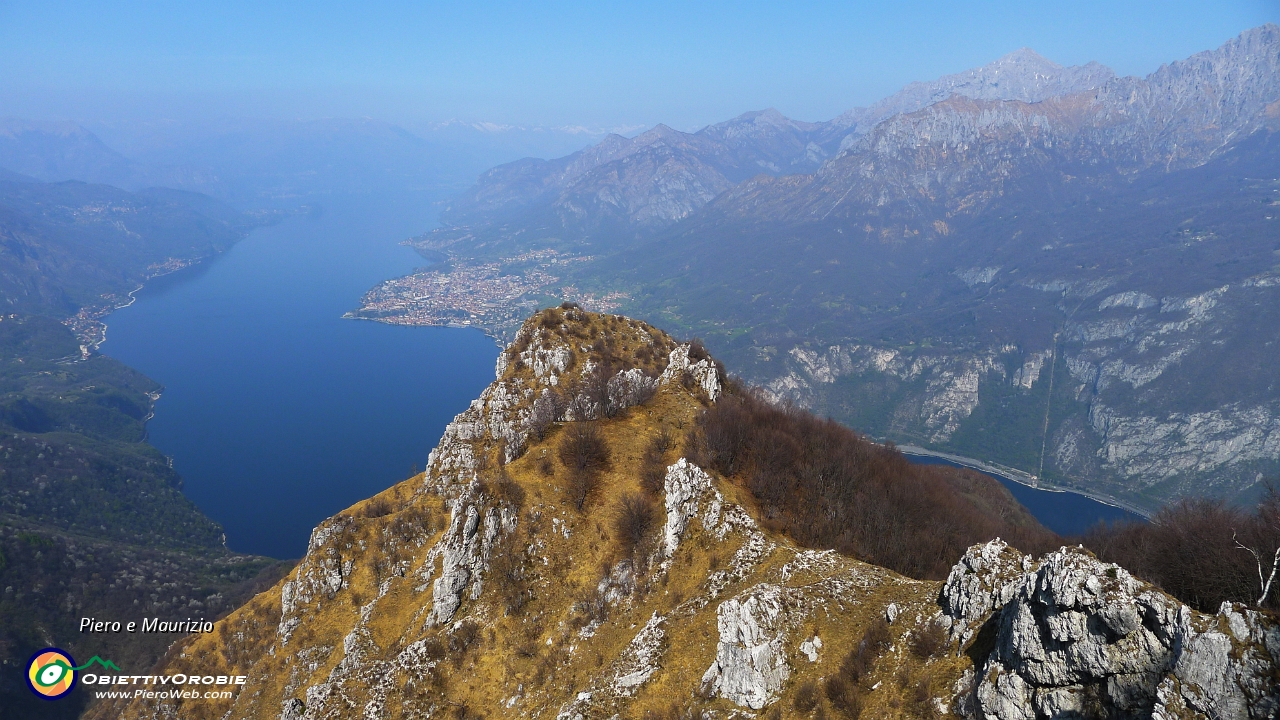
[[254, 163], [1049, 267], [663, 175]]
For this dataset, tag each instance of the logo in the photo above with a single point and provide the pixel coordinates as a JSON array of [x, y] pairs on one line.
[[52, 672]]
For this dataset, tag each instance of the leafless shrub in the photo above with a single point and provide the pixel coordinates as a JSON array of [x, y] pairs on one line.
[[632, 522], [547, 408], [653, 467], [510, 575], [550, 319], [806, 697], [505, 490], [660, 444], [412, 524], [546, 467], [585, 453], [922, 699], [580, 486], [376, 508], [844, 696], [463, 638], [588, 609], [928, 640], [653, 479], [433, 649]]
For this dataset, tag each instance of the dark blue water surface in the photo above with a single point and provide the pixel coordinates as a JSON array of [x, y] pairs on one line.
[[278, 413], [1065, 513]]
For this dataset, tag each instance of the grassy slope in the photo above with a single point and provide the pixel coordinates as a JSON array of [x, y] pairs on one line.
[[538, 652]]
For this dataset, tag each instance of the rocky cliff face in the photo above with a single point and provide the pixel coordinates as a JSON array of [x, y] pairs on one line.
[[1136, 406], [1022, 75], [477, 590]]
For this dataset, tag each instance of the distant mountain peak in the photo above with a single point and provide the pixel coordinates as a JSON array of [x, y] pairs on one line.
[[1024, 56], [661, 131], [1022, 75]]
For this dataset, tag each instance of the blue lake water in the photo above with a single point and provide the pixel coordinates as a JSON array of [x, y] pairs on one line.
[[1065, 513], [278, 413]]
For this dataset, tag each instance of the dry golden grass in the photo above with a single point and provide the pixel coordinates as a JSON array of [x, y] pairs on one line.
[[538, 652]]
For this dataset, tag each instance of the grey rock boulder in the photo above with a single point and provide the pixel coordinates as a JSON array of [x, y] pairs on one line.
[[1076, 637]]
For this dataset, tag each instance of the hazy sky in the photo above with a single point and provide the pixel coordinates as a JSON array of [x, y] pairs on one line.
[[595, 64]]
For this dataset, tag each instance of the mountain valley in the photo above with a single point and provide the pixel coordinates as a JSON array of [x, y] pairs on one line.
[[1051, 268]]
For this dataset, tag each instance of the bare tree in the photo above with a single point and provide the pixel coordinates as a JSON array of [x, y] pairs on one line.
[[1264, 584], [1265, 534]]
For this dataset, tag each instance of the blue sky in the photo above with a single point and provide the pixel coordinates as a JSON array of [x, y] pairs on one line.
[[594, 64]]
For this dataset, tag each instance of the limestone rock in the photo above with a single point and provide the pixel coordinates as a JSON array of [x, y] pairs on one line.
[[986, 578], [751, 664], [704, 372], [685, 487], [464, 551], [1076, 637], [811, 647], [293, 710], [1227, 668]]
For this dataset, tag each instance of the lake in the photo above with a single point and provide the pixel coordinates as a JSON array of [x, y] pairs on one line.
[[1065, 513], [276, 411], [279, 413]]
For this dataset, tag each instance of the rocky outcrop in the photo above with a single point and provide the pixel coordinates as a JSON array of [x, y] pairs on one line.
[[701, 373], [751, 662], [1227, 669], [464, 553], [320, 575], [983, 581], [947, 383], [1076, 637], [685, 488]]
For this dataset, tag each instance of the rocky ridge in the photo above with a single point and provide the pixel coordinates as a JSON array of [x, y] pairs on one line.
[[476, 588], [649, 182], [1070, 636]]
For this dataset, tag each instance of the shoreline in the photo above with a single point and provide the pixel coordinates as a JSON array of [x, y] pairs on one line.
[[89, 324], [497, 340], [1022, 478]]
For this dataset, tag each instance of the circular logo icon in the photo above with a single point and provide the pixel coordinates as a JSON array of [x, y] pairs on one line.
[[51, 673]]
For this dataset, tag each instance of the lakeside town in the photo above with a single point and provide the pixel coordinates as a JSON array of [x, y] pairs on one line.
[[88, 324], [495, 297]]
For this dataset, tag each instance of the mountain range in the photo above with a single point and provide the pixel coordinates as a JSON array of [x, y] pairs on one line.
[[647, 182], [1051, 268]]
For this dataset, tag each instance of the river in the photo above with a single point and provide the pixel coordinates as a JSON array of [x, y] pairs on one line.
[[276, 411]]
